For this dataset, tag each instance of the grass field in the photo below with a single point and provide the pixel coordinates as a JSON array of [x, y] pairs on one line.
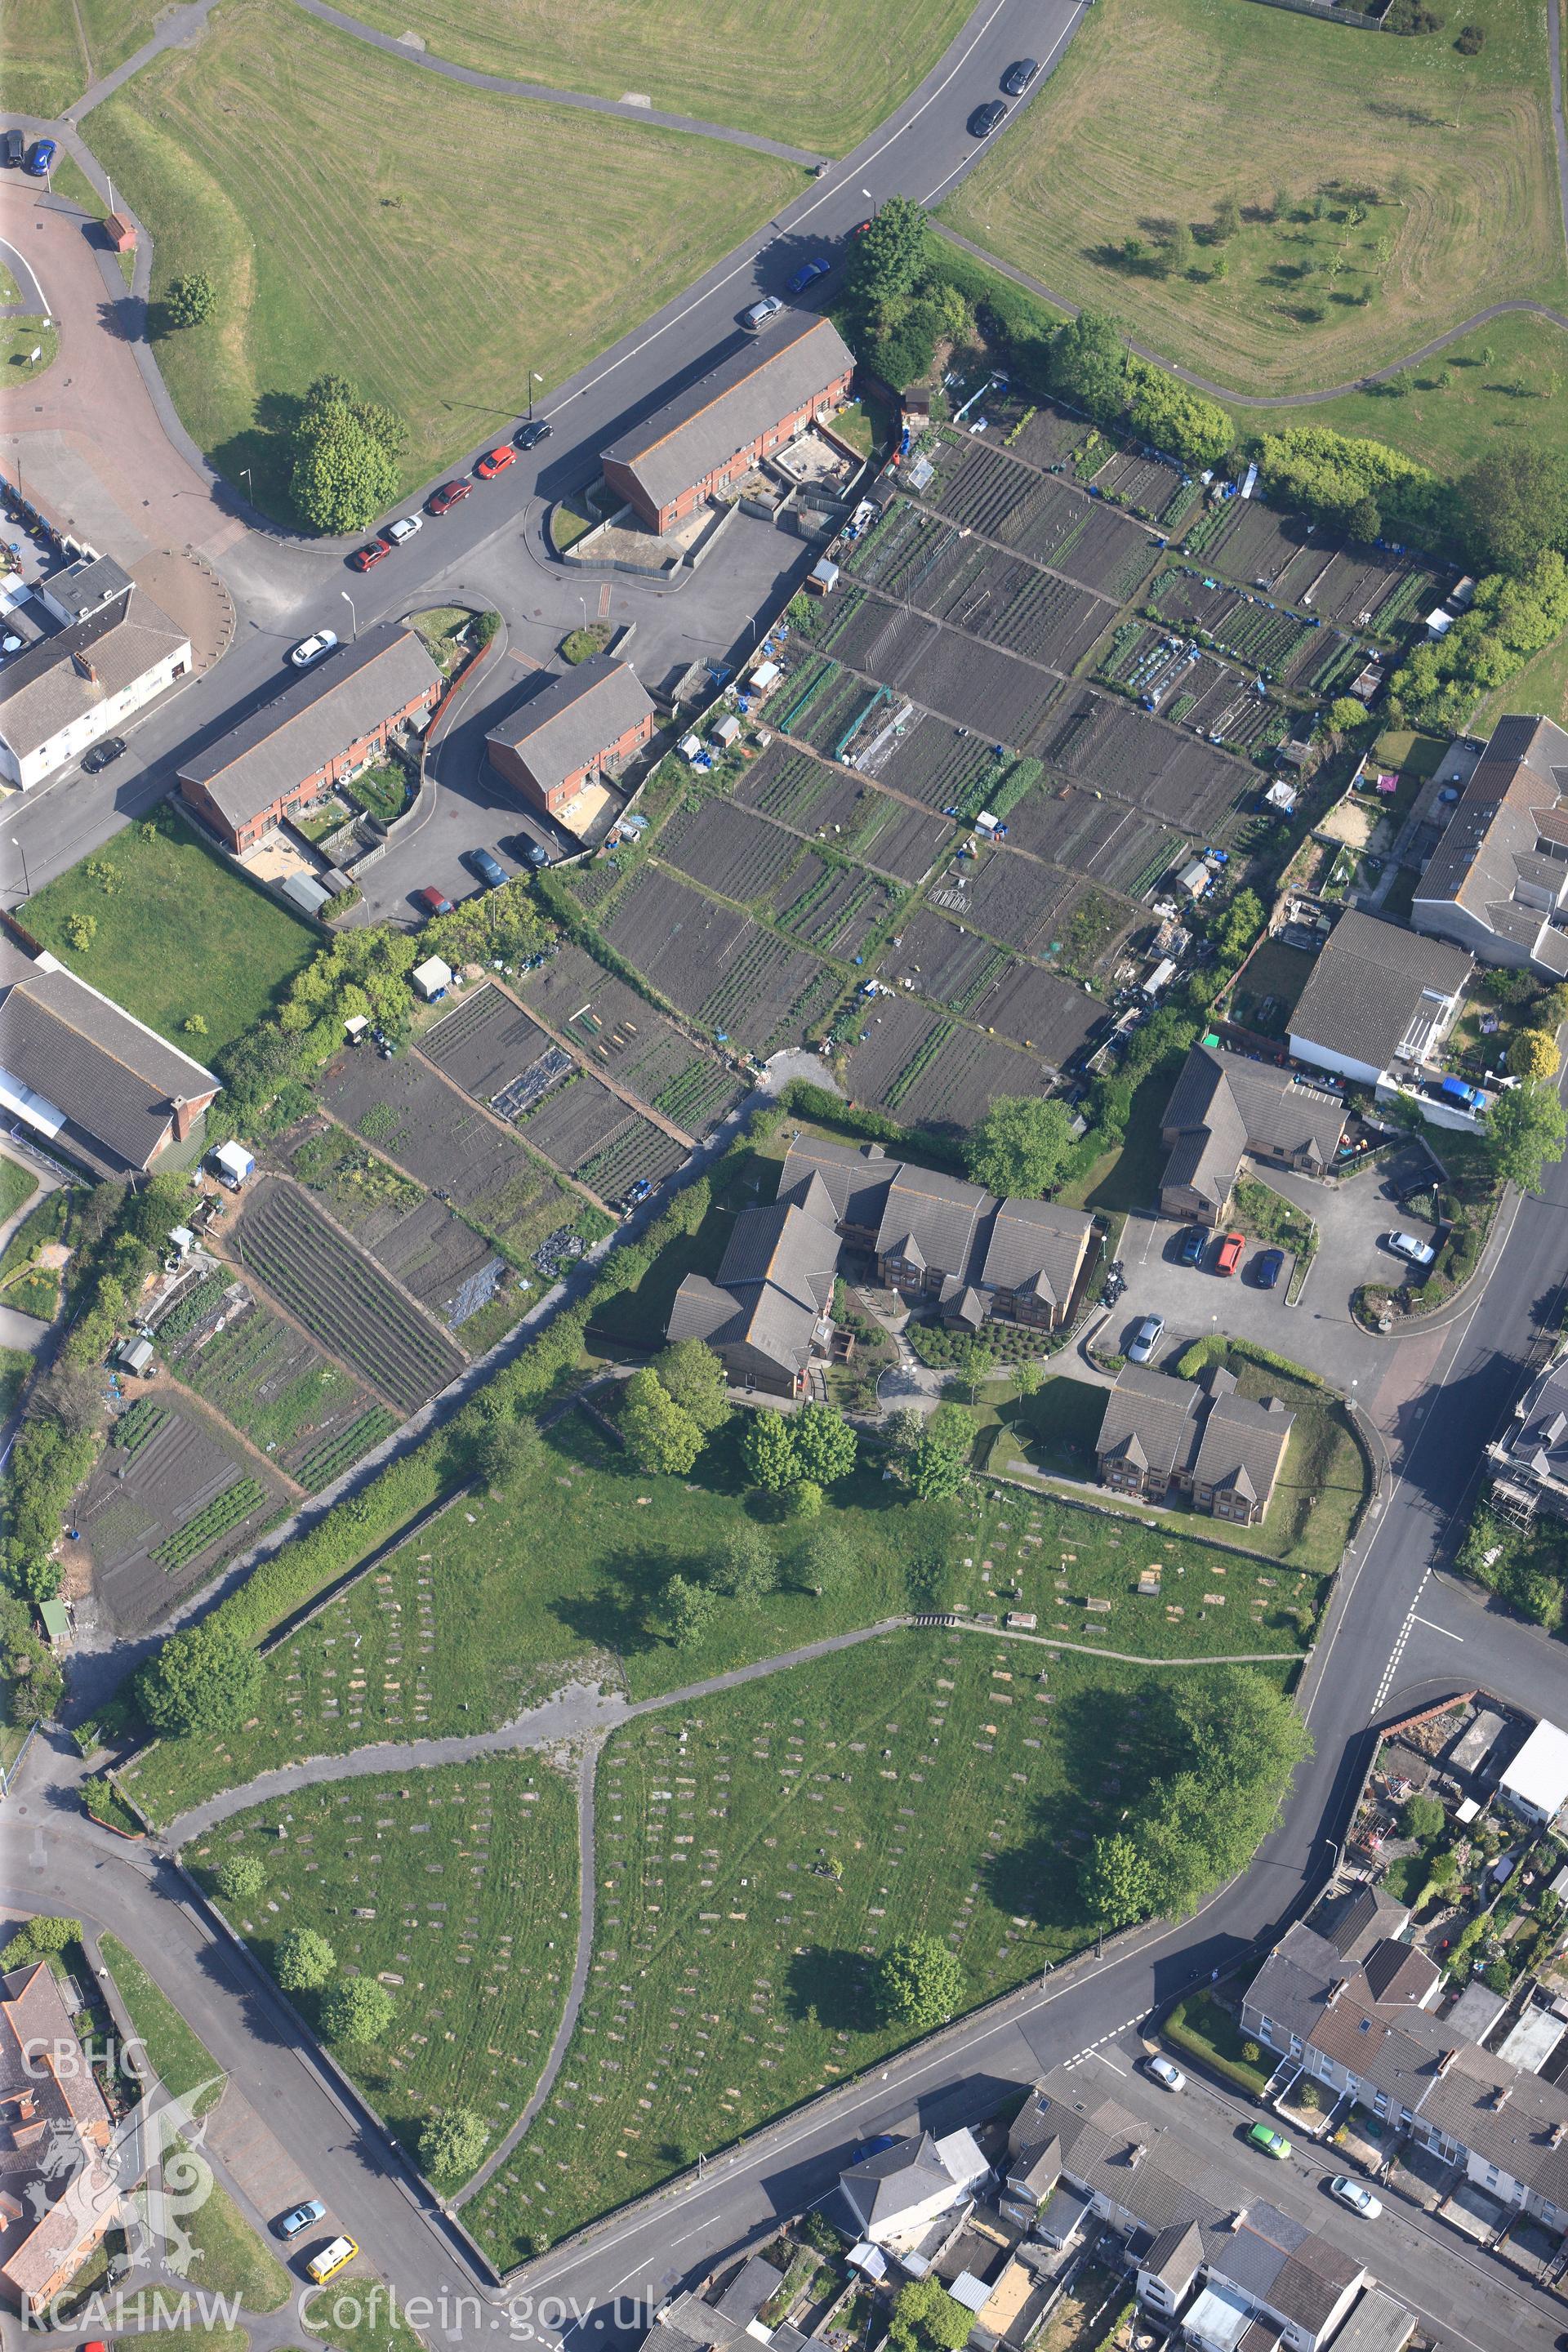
[[17, 1186], [810, 72], [179, 2058], [500, 1598], [1542, 684], [311, 177], [751, 1861], [458, 1888], [19, 339], [178, 933], [49, 51], [1157, 112]]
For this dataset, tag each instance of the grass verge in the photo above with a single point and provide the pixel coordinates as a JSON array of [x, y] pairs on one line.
[[181, 2059]]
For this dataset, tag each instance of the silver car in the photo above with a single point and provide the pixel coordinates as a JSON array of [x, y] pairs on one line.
[[1169, 2077], [1147, 1338], [1354, 2194]]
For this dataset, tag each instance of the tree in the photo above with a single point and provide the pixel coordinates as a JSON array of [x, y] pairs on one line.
[[903, 1430], [1533, 1055], [890, 256], [919, 1982], [1088, 362], [343, 475], [1230, 1744], [452, 2142], [659, 1435], [1171, 414], [686, 1611], [1227, 220], [825, 1444], [191, 300], [1029, 1379], [1178, 250], [359, 2009], [768, 1450], [41, 1934], [826, 1561], [206, 1678], [1363, 521], [1020, 1146], [194, 1025], [973, 1357], [305, 1960], [926, 2318], [1113, 1884], [1525, 1130], [806, 1499], [240, 1878], [934, 1471], [1238, 925], [745, 1567], [693, 1376], [1512, 506], [1346, 714], [1423, 1818]]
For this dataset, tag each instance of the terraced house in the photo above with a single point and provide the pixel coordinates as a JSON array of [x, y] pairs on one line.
[[1161, 1436]]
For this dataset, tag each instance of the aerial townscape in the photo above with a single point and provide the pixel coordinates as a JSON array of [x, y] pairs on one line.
[[783, 1180]]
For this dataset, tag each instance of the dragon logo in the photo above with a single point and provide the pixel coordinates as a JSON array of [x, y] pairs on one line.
[[151, 2176]]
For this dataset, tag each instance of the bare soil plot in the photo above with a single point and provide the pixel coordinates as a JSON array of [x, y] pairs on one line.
[[1225, 708], [823, 803], [976, 685], [585, 1129], [1362, 589], [1154, 486], [1051, 436], [414, 1118], [727, 849], [1103, 740], [170, 1498], [1115, 845], [744, 983], [1042, 516], [492, 1049], [1252, 542], [1038, 1010], [1256, 631], [338, 1294], [927, 560], [942, 960], [936, 763], [638, 1047], [832, 908], [920, 1066], [896, 1039]]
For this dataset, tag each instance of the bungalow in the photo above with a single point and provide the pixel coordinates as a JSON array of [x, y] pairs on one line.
[[1378, 995], [561, 739], [1224, 1109], [1160, 1433]]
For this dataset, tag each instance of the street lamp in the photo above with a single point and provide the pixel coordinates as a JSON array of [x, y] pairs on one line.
[[876, 207], [249, 486], [533, 377], [27, 885], [353, 616]]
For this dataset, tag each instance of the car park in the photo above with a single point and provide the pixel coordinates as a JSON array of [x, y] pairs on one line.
[[530, 435], [761, 313], [1408, 1246], [1146, 1339], [984, 119], [404, 528], [1194, 1241], [363, 556], [1016, 78], [302, 2216], [443, 500], [313, 649], [331, 2258], [1169, 2077], [1231, 1250], [1270, 2142], [41, 157], [104, 754], [528, 852], [491, 871], [434, 901], [495, 461], [13, 147], [1356, 2195], [1267, 1267]]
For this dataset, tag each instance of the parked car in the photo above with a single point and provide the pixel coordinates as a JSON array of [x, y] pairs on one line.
[[1231, 1249], [443, 500], [331, 2258], [496, 461], [1266, 1269], [984, 119], [1146, 1339], [312, 2210], [13, 147], [1016, 78], [491, 871], [1407, 1245], [530, 435], [104, 754], [1194, 1241], [809, 274], [1272, 2143], [528, 852], [861, 227], [1356, 2195], [363, 556], [1169, 2077], [313, 649], [434, 901], [41, 157], [1458, 1092], [761, 313], [404, 528]]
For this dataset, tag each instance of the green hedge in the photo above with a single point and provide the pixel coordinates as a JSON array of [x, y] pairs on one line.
[[802, 1100]]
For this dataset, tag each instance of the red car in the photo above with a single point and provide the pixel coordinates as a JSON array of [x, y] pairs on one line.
[[494, 462], [1230, 1253], [443, 500], [859, 228], [434, 901], [363, 556]]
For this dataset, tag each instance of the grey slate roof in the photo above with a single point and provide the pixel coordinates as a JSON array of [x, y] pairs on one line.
[[1222, 1105], [1242, 1446], [893, 2180], [725, 410], [1036, 1243], [1356, 1921], [1175, 2256], [82, 587], [1157, 1412], [314, 719], [774, 1281], [858, 1176], [113, 1079], [82, 666], [1538, 1437], [1376, 2324], [1367, 988], [941, 1214], [1397, 1973], [1520, 778], [570, 721]]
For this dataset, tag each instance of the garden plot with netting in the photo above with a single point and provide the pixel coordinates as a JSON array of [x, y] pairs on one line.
[[824, 705], [341, 1297], [492, 1049], [1043, 518], [926, 561], [978, 686], [451, 1270], [428, 1127], [1250, 541], [743, 982], [1270, 641], [1118, 846], [831, 907], [728, 849], [171, 1497], [269, 1380], [824, 804], [1101, 740], [641, 1049], [1226, 708]]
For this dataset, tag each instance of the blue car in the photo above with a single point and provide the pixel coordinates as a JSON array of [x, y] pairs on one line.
[[809, 275], [1266, 1269], [491, 871], [40, 158], [1192, 1250]]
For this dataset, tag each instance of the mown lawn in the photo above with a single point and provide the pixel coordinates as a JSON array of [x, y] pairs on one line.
[[313, 180], [180, 2059], [41, 64], [17, 1186], [755, 1852], [1162, 108], [178, 934], [1129, 1177], [458, 1889], [503, 1599]]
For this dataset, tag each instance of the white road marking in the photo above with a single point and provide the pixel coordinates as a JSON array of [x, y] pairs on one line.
[[1108, 2062], [22, 267], [1436, 1629], [1045, 68]]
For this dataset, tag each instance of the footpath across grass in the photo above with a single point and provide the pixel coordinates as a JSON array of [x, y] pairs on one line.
[[176, 934], [458, 1889]]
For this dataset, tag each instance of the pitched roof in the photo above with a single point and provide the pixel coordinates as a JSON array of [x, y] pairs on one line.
[[941, 1214], [78, 1055], [1356, 1921], [312, 722], [1176, 2255], [566, 725], [86, 586], [1036, 1243], [1223, 1105], [1374, 990], [1156, 1414], [750, 390], [1243, 1445], [1398, 1974], [1510, 805], [857, 1176], [1538, 1438], [890, 2182], [82, 666], [774, 1283]]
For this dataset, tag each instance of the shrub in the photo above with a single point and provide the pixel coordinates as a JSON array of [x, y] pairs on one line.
[[303, 1961], [240, 1878], [452, 2142], [358, 2010], [1472, 41]]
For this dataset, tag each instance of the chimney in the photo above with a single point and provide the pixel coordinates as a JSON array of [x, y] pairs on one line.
[[1136, 2151], [84, 668], [1445, 2061], [1334, 1991], [1500, 2097], [1557, 2134], [184, 1116]]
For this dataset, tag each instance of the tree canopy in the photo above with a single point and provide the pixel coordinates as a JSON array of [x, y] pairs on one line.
[[745, 1567], [239, 1878], [919, 1982], [1525, 1130], [452, 2142], [303, 1961], [1512, 506], [693, 1376], [347, 450], [814, 1446], [661, 1435], [926, 2318], [206, 1678], [1533, 1055], [1113, 1882], [1020, 1146], [890, 256], [1183, 422], [358, 2010], [1088, 362]]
